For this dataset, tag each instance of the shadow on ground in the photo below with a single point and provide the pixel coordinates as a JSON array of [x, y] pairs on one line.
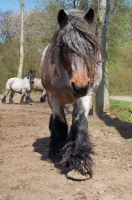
[[42, 147], [124, 128]]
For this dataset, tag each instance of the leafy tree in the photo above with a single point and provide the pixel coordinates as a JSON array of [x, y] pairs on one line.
[[39, 24], [120, 51]]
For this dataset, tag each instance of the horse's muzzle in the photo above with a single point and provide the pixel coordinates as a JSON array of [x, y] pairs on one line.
[[79, 91]]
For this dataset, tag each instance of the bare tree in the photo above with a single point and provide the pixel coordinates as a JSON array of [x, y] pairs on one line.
[[21, 59], [20, 68], [102, 26], [85, 5], [102, 95]]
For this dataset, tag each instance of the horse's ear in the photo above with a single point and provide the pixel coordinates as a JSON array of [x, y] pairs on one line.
[[62, 18], [89, 16]]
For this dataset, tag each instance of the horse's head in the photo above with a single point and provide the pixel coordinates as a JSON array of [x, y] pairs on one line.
[[77, 48], [31, 75], [77, 70]]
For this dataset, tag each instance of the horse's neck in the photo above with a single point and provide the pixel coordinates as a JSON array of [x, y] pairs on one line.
[[27, 80]]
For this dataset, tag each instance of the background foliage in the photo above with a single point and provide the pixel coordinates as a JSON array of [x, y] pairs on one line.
[[39, 25], [119, 49]]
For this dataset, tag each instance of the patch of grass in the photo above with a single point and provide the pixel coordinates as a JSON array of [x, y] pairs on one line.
[[34, 92], [121, 109]]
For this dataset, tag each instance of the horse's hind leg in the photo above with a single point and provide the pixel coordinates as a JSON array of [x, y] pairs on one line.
[[5, 95], [76, 152], [58, 128], [43, 97], [11, 97]]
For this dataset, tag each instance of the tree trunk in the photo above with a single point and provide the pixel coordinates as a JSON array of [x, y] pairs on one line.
[[102, 95], [20, 68], [83, 5]]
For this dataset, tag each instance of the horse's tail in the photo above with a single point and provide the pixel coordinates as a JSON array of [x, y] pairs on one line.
[[9, 83]]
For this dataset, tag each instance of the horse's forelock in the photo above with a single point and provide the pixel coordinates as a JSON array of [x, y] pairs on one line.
[[78, 36], [30, 73]]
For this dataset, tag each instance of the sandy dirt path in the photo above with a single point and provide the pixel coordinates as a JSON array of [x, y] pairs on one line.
[[124, 98], [26, 173]]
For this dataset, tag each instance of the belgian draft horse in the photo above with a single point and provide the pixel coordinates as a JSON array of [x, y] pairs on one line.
[[21, 86], [71, 70], [39, 87]]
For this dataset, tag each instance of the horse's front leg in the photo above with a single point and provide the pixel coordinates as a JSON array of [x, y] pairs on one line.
[[11, 97], [22, 97], [76, 152], [58, 128], [28, 98]]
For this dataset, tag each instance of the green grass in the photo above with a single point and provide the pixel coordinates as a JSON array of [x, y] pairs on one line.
[[36, 92], [121, 109]]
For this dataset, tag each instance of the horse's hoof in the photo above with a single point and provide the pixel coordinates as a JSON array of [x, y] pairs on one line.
[[55, 157], [76, 175], [31, 101], [22, 103]]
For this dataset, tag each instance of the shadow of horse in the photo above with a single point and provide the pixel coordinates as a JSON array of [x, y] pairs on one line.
[[124, 128], [41, 146]]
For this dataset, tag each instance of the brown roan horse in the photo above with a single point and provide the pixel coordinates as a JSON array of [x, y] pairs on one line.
[[71, 70]]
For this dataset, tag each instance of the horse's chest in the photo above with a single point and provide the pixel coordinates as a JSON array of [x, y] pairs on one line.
[[59, 87], [62, 90], [62, 85]]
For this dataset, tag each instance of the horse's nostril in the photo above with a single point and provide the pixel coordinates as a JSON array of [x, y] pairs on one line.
[[75, 87], [79, 90]]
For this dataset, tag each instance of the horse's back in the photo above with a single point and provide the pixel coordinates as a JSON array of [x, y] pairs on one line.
[[14, 84]]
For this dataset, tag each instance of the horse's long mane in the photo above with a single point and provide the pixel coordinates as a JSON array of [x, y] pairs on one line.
[[79, 37]]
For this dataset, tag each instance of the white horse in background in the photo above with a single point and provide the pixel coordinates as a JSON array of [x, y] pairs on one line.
[[39, 87], [21, 86]]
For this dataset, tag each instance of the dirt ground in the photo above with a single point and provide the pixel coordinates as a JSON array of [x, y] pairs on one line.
[[26, 173], [124, 98]]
